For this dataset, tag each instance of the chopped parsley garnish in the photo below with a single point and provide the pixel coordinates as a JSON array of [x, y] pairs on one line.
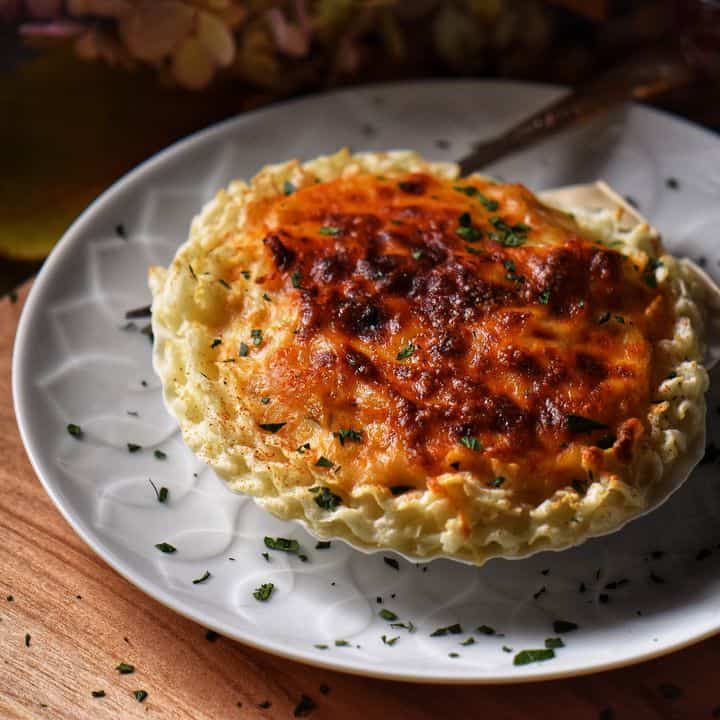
[[215, 343], [98, 693], [161, 494], [529, 656], [404, 626], [272, 427], [344, 434], [455, 629], [579, 424], [416, 254], [302, 448], [329, 230], [166, 548], [203, 578], [508, 235], [125, 668], [325, 498], [295, 280], [388, 615], [544, 297], [285, 544], [579, 486], [245, 274], [620, 319], [389, 641], [264, 400], [474, 251], [453, 655], [553, 643], [485, 630], [27, 639], [304, 707], [466, 230], [288, 188], [75, 430], [257, 336], [211, 636], [392, 562], [564, 626], [144, 311], [324, 462], [321, 646], [140, 695], [224, 283], [489, 204], [342, 643], [192, 272], [243, 350], [497, 482], [400, 489], [264, 592], [605, 442], [471, 443], [406, 352], [266, 297], [159, 455], [468, 641], [322, 544], [266, 556], [133, 447]]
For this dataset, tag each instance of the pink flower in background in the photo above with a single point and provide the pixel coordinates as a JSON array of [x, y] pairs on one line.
[[291, 38]]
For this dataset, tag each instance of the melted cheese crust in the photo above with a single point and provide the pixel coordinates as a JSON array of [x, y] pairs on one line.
[[411, 361]]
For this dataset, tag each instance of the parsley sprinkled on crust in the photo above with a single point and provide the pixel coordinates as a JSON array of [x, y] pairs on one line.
[[272, 427], [406, 352], [325, 498], [471, 443], [344, 434]]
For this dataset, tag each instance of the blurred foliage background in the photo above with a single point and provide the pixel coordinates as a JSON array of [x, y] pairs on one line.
[[90, 88]]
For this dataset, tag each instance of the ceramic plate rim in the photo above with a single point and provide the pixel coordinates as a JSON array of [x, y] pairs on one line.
[[67, 244]]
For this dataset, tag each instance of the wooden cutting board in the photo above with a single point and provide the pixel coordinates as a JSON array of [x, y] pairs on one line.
[[67, 620]]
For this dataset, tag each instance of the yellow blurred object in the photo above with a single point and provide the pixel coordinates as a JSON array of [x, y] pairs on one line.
[[68, 129]]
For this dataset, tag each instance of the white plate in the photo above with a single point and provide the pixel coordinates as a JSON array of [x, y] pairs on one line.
[[72, 363]]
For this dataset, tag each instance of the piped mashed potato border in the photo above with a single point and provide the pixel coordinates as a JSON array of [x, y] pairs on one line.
[[418, 524]]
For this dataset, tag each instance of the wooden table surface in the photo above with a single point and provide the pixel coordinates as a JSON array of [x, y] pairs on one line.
[[67, 620]]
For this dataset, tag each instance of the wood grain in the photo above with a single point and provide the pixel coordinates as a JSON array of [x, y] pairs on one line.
[[83, 619]]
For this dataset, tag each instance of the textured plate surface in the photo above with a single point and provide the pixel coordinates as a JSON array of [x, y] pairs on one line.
[[648, 589]]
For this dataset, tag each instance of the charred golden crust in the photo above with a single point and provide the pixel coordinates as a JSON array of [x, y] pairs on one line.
[[436, 366], [510, 319]]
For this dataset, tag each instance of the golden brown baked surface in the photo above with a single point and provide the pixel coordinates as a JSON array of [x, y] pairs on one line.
[[409, 360]]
